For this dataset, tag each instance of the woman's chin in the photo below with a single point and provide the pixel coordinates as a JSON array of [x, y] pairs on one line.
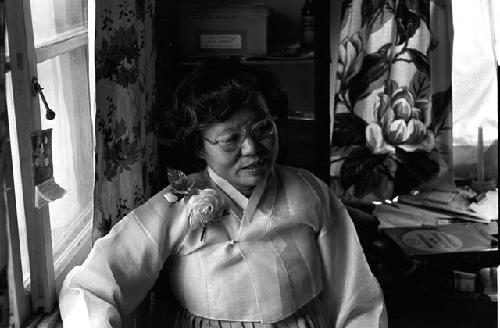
[[248, 179]]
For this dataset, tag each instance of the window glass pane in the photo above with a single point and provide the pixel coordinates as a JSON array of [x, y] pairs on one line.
[[21, 221], [64, 80], [53, 17]]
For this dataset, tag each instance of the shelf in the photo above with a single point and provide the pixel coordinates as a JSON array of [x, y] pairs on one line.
[[288, 61], [303, 116], [308, 61]]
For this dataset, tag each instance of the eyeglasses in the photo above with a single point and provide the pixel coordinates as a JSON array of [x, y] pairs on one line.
[[232, 141]]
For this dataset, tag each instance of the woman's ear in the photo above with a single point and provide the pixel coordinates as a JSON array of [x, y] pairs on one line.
[[199, 153], [198, 147]]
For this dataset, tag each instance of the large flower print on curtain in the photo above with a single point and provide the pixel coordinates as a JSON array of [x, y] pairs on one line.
[[125, 75], [392, 106]]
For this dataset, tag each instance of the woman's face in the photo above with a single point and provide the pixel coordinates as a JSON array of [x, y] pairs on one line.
[[252, 159]]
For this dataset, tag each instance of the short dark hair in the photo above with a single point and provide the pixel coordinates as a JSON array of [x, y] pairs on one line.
[[212, 93]]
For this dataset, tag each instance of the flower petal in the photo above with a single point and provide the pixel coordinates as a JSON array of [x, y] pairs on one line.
[[170, 197], [402, 109], [405, 93], [416, 132], [416, 113], [357, 42], [424, 105], [343, 51], [342, 59], [427, 145], [375, 140], [382, 112], [355, 65], [396, 132], [205, 207]]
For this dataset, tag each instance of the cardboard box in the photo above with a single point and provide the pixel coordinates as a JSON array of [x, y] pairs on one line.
[[206, 29]]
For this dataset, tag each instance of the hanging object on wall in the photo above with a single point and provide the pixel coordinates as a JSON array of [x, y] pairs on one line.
[[46, 189], [37, 89], [391, 127]]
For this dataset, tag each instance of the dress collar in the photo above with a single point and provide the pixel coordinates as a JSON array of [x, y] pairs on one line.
[[228, 188], [248, 205]]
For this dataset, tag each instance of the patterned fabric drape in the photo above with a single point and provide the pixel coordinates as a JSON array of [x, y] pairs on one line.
[[126, 150], [4, 137], [391, 126]]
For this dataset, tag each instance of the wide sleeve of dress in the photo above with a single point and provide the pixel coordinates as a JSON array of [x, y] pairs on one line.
[[122, 266], [351, 294]]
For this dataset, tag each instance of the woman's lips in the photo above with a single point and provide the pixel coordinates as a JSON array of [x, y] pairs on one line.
[[254, 164]]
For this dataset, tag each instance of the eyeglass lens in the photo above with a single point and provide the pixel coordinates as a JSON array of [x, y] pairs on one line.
[[262, 129], [258, 131]]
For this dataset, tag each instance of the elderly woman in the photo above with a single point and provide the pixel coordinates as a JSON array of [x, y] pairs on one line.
[[249, 243]]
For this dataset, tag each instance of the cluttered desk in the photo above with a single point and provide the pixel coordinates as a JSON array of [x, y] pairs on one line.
[[439, 258]]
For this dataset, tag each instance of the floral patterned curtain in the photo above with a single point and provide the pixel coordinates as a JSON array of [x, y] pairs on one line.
[[392, 113], [4, 137], [125, 92]]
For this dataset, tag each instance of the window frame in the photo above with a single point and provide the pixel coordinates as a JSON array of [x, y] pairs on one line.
[[46, 276]]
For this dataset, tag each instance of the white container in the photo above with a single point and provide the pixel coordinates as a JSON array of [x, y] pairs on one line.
[[206, 29]]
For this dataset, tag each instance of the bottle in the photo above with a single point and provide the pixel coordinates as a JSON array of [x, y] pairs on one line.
[[307, 25]]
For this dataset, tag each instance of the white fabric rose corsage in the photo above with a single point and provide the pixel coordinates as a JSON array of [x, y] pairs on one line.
[[204, 208], [204, 205]]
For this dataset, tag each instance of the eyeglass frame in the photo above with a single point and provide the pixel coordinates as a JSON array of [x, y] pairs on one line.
[[245, 132]]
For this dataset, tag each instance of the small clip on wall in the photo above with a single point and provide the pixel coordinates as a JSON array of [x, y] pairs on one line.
[[37, 89]]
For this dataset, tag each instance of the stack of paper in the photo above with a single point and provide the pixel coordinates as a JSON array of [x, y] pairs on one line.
[[487, 205], [458, 207], [403, 215], [434, 208]]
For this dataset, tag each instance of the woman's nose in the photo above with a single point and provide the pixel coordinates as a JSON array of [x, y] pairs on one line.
[[249, 146]]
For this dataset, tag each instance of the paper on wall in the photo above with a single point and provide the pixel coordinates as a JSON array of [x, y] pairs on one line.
[[46, 189]]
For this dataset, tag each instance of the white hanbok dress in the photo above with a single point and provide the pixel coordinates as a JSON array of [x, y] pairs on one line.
[[288, 256]]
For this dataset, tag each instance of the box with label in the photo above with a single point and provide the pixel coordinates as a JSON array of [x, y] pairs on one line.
[[206, 29]]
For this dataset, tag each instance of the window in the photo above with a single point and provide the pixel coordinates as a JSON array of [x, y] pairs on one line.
[[49, 40], [476, 57], [475, 95]]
